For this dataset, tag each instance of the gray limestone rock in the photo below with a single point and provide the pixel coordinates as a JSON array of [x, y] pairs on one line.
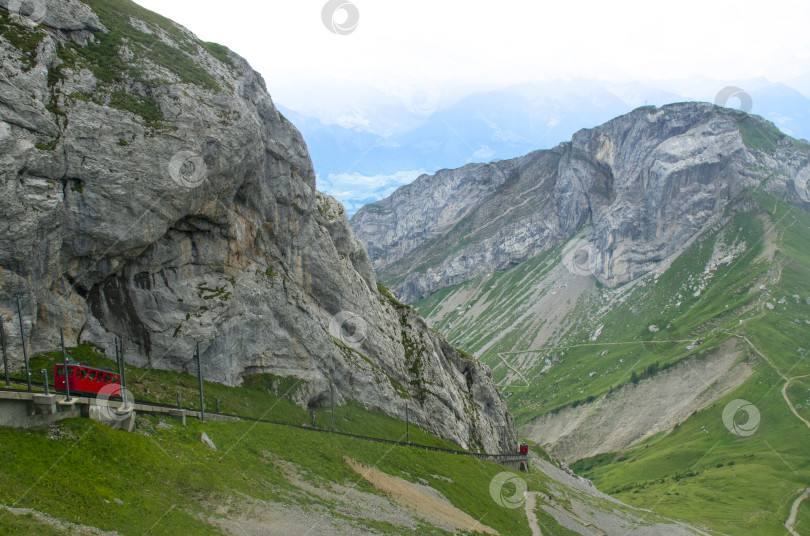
[[167, 201]]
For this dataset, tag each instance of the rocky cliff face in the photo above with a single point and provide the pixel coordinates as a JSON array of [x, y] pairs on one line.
[[644, 184], [150, 190]]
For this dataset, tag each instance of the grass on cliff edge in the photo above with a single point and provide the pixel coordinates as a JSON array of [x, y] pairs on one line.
[[262, 396], [169, 482]]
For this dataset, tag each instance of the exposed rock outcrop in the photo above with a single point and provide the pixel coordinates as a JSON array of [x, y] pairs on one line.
[[647, 182], [151, 190], [637, 411]]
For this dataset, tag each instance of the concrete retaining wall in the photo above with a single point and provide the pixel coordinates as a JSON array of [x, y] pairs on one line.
[[26, 409]]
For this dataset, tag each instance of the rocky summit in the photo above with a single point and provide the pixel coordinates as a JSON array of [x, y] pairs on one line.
[[151, 191], [639, 188]]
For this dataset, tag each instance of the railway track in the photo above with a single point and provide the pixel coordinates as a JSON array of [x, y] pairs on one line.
[[497, 458]]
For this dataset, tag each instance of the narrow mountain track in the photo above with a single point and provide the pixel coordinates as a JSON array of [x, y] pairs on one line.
[[513, 369], [531, 505], [622, 343], [794, 511], [787, 399], [781, 374], [497, 458]]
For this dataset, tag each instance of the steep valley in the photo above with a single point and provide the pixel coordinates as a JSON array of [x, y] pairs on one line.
[[641, 294], [634, 303], [631, 383]]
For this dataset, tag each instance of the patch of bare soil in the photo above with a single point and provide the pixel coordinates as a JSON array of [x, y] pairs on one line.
[[426, 502], [64, 527], [578, 506], [309, 507], [245, 516], [769, 241]]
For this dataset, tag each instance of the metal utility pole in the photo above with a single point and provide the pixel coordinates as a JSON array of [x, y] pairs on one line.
[[199, 374], [179, 400], [25, 351], [118, 360], [332, 399], [64, 367], [123, 375], [44, 373], [5, 358], [407, 423]]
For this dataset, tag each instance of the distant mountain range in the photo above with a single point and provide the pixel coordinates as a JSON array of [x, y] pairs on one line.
[[644, 184], [377, 145]]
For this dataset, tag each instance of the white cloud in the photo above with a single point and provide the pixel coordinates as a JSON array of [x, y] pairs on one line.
[[355, 190], [483, 153], [429, 44]]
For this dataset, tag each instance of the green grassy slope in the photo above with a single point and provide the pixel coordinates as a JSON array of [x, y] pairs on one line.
[[77, 478], [769, 466], [628, 346], [170, 483], [166, 479], [262, 396], [27, 524], [704, 473], [170, 467], [162, 480], [759, 299]]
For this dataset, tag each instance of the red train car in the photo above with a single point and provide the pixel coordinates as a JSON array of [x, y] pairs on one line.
[[524, 448], [82, 378]]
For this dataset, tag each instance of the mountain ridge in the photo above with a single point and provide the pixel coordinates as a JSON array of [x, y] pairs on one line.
[[590, 179], [360, 164]]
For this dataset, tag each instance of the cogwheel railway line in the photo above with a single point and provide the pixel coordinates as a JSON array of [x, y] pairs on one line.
[[496, 458]]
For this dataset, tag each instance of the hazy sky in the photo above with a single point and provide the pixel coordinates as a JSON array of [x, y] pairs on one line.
[[453, 44]]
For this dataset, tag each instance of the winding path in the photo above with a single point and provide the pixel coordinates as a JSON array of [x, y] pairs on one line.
[[513, 369], [784, 394], [781, 374], [531, 504], [794, 511]]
